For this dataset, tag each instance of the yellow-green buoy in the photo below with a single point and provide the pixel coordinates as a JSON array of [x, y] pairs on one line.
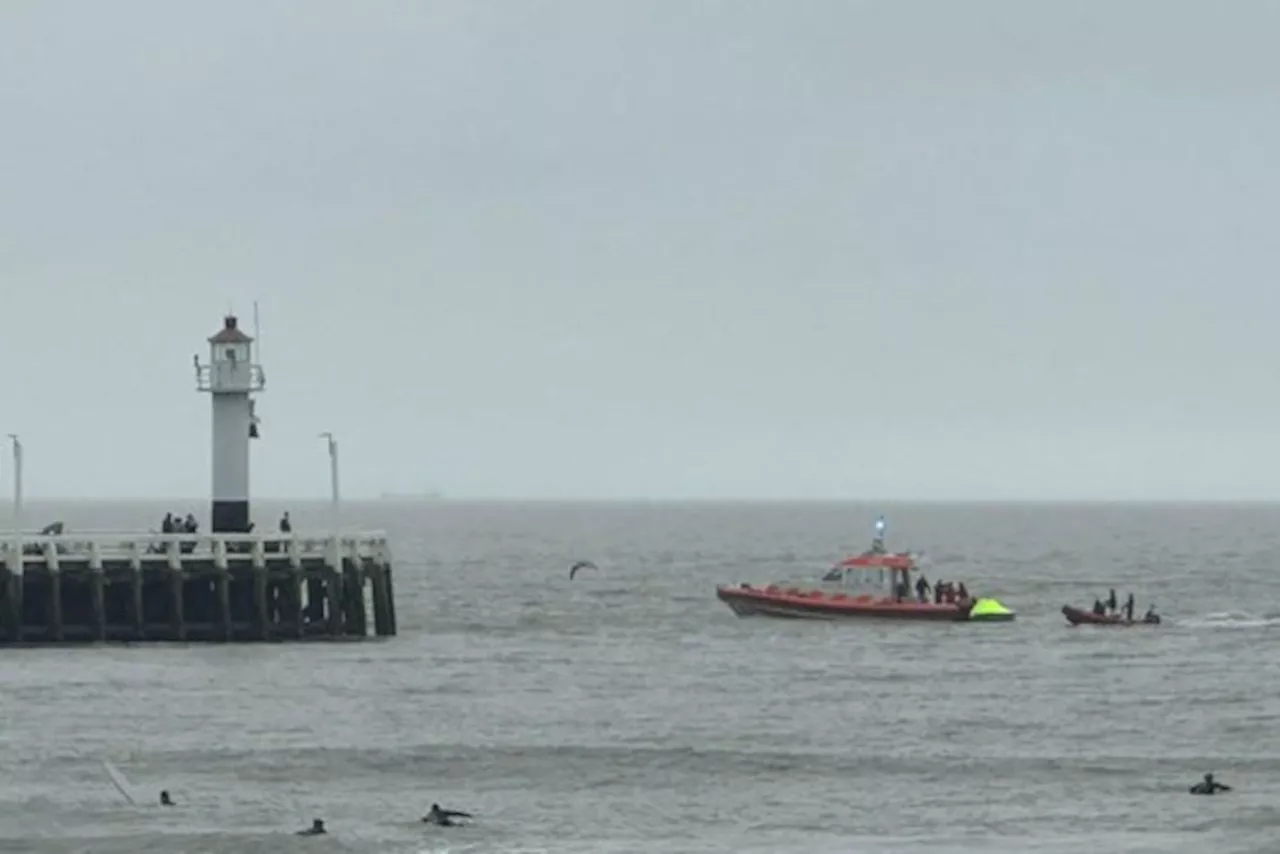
[[989, 611]]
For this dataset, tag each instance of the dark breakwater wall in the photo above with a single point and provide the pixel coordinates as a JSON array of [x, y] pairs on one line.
[[214, 588]]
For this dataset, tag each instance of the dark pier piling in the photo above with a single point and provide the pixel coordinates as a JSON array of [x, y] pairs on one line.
[[214, 588]]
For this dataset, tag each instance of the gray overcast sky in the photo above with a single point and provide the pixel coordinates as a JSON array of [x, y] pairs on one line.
[[859, 249]]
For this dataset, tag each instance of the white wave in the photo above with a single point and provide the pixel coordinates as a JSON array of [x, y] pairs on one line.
[[1232, 620]]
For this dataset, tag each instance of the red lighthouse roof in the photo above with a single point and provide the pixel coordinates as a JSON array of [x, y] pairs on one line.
[[230, 333]]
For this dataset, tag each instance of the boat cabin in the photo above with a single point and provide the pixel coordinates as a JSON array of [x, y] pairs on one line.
[[883, 570]]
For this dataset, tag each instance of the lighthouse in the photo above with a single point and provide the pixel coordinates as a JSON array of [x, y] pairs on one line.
[[231, 378]]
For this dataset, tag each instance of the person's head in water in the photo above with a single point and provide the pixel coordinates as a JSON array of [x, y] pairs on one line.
[[1208, 779], [165, 800]]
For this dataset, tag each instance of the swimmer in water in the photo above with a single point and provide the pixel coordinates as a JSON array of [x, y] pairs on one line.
[[1208, 786], [165, 800], [316, 828], [444, 818]]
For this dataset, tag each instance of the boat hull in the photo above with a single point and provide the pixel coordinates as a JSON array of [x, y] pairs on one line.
[[747, 601], [1083, 617]]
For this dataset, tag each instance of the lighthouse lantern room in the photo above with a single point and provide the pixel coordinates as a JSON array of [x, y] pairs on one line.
[[231, 378]]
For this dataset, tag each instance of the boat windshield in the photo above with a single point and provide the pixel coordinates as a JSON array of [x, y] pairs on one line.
[[863, 577]]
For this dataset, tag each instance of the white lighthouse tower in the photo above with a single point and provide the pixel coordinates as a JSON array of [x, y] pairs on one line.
[[231, 377]]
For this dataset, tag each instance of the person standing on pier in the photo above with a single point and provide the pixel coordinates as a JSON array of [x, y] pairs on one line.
[[285, 525]]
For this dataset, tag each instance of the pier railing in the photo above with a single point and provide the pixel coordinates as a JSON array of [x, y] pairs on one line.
[[135, 586], [18, 549]]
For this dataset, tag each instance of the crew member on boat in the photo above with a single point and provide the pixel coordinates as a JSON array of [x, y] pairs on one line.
[[1111, 601], [1098, 608], [1128, 608], [922, 589]]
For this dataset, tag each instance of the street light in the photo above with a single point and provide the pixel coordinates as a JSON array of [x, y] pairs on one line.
[[333, 468], [17, 482]]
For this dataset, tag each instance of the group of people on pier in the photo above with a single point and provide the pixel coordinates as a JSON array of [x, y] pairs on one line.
[[174, 523]]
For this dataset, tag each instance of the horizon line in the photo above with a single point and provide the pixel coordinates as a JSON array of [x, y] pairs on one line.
[[518, 499]]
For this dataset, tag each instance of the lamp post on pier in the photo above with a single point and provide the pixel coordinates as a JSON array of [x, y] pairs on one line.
[[333, 472]]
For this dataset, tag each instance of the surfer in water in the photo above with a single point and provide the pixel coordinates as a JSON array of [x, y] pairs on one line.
[[1209, 786], [442, 817], [316, 828], [165, 800]]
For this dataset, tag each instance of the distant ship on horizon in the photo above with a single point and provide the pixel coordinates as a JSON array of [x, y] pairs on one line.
[[411, 496]]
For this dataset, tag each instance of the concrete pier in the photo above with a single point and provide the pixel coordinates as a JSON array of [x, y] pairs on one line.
[[215, 588]]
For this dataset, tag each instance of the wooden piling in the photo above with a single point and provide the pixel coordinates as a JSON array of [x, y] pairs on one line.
[[137, 613], [378, 587], [333, 587], [391, 599], [293, 615], [176, 582], [13, 604], [55, 604], [353, 605], [222, 583], [54, 574], [97, 592]]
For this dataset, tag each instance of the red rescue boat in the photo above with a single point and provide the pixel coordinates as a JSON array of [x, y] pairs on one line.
[[1085, 617], [775, 601], [876, 583]]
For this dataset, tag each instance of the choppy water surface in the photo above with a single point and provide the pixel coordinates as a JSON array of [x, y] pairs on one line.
[[629, 711]]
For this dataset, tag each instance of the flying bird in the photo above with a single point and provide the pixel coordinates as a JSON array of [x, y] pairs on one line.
[[582, 564]]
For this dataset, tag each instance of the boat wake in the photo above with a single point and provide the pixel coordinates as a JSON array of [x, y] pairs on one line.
[[1233, 620]]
